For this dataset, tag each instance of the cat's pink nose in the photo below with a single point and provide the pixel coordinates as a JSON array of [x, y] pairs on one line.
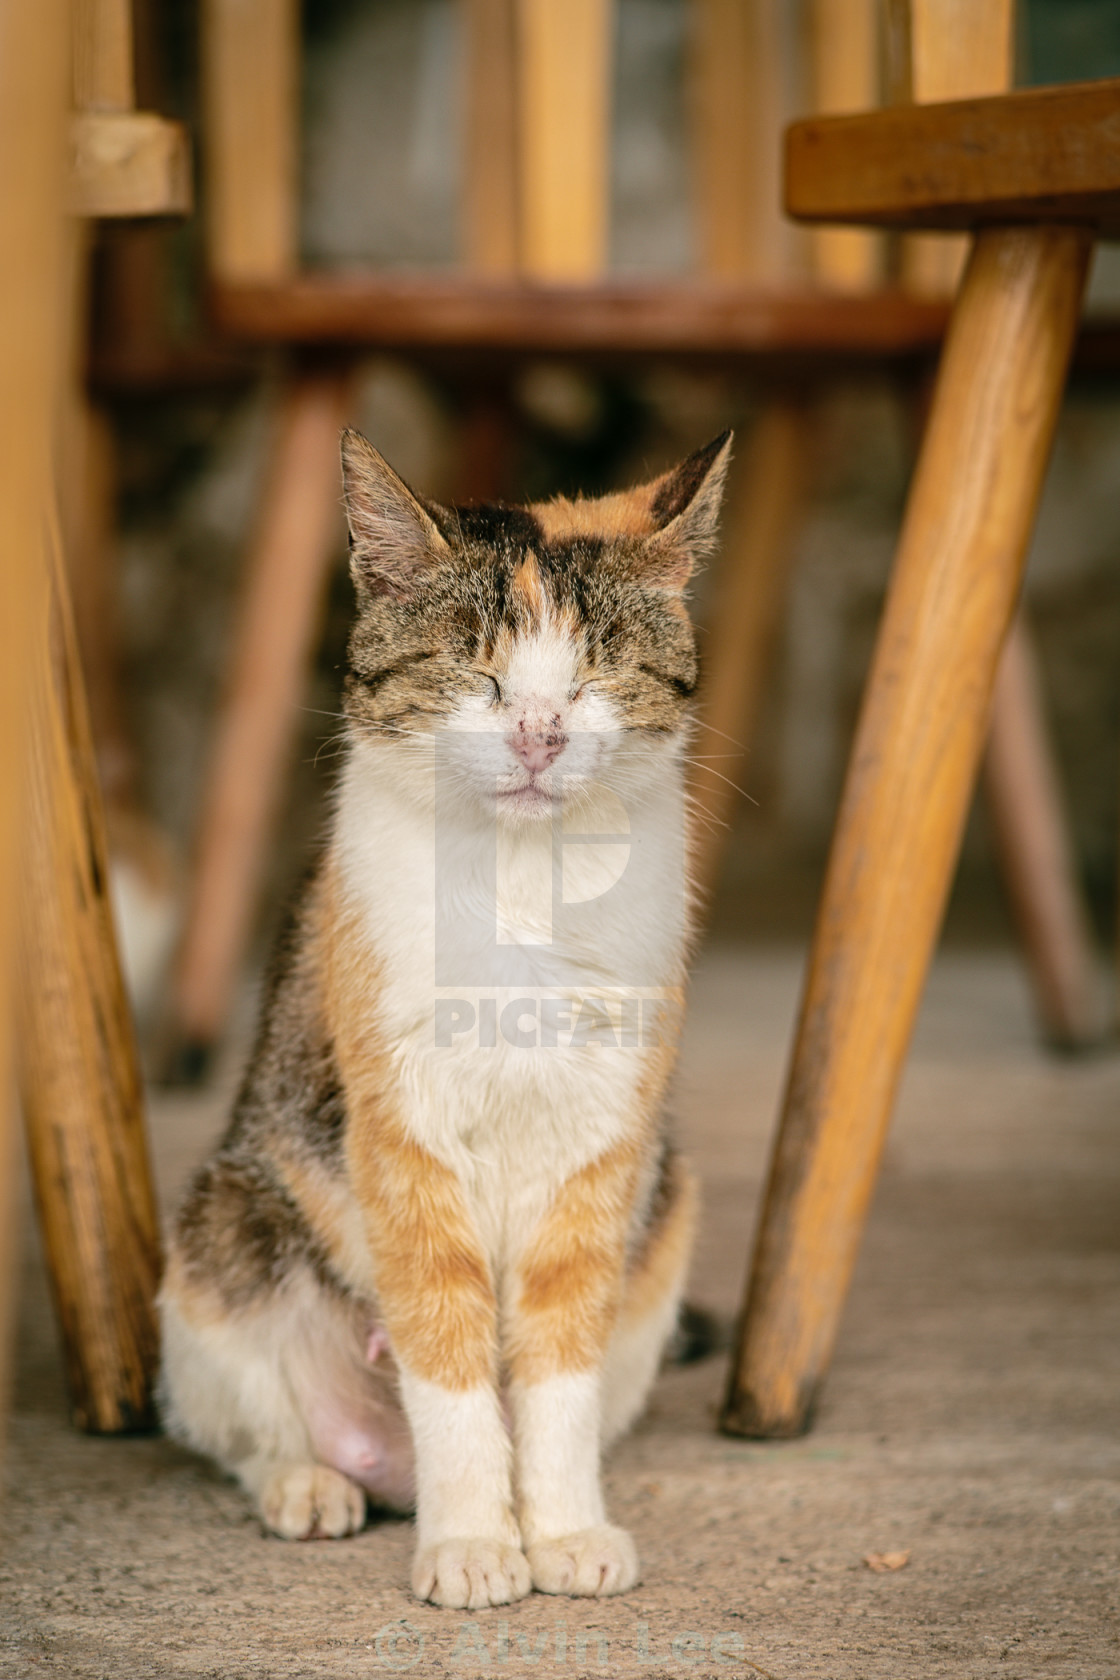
[[537, 748]]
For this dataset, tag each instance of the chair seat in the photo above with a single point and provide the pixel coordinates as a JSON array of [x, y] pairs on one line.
[[1042, 155]]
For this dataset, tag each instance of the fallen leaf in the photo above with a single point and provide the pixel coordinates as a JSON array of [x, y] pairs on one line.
[[883, 1562]]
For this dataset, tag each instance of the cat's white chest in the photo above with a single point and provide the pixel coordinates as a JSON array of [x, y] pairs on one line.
[[521, 991]]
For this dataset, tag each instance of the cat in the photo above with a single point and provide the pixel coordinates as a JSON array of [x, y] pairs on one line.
[[437, 1255]]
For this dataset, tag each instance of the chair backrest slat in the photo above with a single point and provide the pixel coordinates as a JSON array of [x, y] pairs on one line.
[[959, 49], [737, 88], [564, 57], [490, 194], [250, 64], [101, 55], [844, 61]]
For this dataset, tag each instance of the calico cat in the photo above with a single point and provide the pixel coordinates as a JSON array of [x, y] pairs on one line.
[[440, 1249]]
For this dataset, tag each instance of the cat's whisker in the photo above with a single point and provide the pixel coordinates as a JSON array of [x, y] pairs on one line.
[[333, 747], [710, 729], [740, 790], [700, 813]]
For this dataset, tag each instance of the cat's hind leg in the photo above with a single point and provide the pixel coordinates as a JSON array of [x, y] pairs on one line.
[[282, 1397]]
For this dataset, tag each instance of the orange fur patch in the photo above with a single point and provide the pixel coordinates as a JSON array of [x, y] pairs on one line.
[[570, 1279], [624, 514], [527, 587], [571, 1275], [433, 1282]]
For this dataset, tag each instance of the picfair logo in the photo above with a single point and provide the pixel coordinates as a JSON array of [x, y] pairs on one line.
[[530, 905]]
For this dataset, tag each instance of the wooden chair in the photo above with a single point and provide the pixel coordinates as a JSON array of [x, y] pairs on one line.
[[534, 239], [79, 1076], [1035, 177], [533, 281]]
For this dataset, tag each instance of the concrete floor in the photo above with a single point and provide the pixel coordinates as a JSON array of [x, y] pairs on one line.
[[971, 1419]]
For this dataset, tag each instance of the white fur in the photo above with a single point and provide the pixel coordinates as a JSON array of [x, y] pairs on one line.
[[556, 1438], [468, 1545], [464, 1463]]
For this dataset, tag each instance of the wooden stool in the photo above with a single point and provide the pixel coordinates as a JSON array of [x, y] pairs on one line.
[[1036, 175]]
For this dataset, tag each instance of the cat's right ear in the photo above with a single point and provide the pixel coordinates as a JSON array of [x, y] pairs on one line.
[[394, 540]]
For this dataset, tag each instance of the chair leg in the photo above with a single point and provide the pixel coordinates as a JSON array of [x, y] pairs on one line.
[[80, 1077], [751, 592], [33, 88], [913, 765], [1032, 839], [298, 533]]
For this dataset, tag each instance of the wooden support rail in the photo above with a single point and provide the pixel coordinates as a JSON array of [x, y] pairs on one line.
[[616, 317]]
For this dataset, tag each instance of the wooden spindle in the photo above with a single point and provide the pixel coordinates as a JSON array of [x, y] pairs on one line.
[[761, 522], [490, 186], [563, 108], [250, 97], [958, 49], [736, 86], [844, 66]]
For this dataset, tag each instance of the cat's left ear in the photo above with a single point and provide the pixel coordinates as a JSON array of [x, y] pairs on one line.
[[394, 541], [684, 513]]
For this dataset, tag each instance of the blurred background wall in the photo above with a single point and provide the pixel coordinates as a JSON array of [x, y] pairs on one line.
[[380, 182]]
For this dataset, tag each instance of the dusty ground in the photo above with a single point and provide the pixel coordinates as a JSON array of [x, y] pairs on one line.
[[970, 1419]]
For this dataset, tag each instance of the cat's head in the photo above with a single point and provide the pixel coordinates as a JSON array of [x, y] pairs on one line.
[[547, 647]]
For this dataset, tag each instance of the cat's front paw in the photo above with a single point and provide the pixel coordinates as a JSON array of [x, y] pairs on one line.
[[592, 1563], [470, 1574], [312, 1502]]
